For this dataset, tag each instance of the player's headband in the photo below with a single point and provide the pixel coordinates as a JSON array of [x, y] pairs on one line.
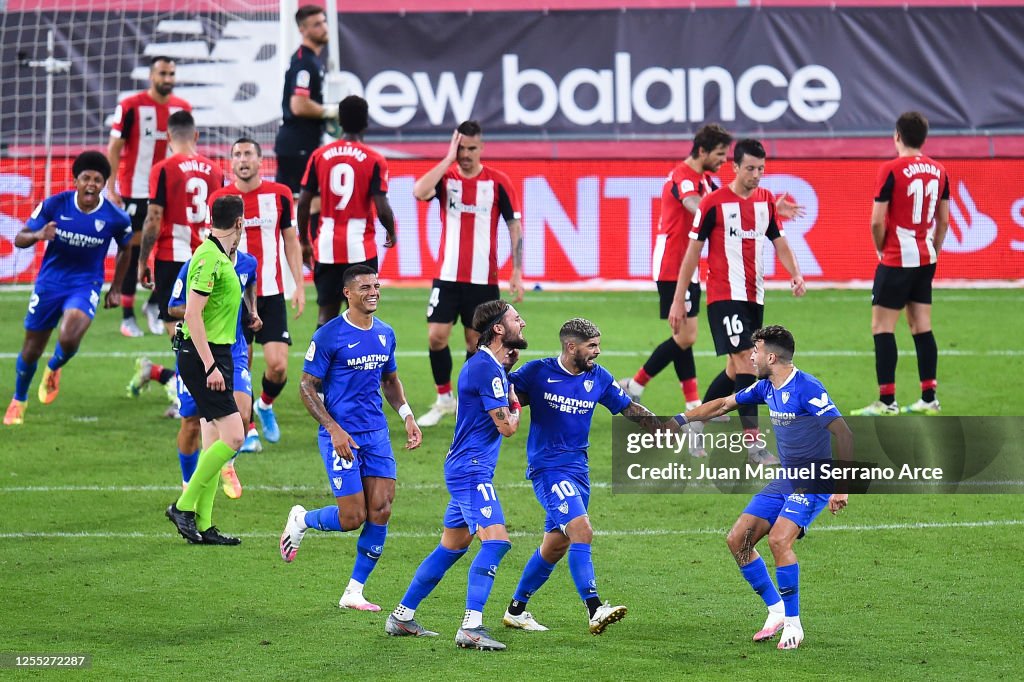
[[497, 318]]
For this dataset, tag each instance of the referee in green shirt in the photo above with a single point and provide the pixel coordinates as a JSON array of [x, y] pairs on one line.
[[204, 364]]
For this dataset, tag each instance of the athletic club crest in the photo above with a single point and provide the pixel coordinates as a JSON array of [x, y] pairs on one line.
[[588, 384], [383, 339], [486, 511]]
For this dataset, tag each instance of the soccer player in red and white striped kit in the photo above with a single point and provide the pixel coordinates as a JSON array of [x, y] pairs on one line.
[[472, 197], [735, 220], [138, 141], [351, 180], [268, 224], [908, 225], [680, 196]]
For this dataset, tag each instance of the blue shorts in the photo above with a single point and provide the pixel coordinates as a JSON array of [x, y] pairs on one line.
[[242, 382], [46, 307], [373, 458], [474, 504], [798, 508], [565, 495]]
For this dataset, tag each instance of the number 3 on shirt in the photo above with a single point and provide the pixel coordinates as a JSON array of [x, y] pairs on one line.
[[197, 190]]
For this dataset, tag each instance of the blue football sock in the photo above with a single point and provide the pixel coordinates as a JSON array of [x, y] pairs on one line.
[[482, 572], [429, 574], [535, 574], [788, 578], [326, 519], [369, 547], [188, 465], [23, 373], [756, 574], [581, 566], [60, 358]]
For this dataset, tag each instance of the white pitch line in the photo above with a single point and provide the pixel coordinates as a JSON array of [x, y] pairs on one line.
[[689, 487], [641, 532], [838, 353]]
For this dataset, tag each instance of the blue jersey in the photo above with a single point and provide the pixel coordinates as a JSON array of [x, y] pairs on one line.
[[483, 386], [350, 361], [75, 256], [801, 411], [561, 409], [245, 268]]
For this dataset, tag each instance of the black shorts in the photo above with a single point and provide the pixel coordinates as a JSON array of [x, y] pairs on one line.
[[209, 404], [667, 291], [165, 273], [274, 314], [329, 279], [450, 301], [895, 287], [136, 210], [290, 170], [732, 323]]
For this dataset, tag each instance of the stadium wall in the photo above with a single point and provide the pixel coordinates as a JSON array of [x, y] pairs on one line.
[[590, 222], [608, 75]]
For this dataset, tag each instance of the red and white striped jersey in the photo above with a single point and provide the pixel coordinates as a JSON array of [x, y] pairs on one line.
[[141, 122], [735, 229], [182, 184], [268, 211], [675, 221], [913, 186], [470, 209], [346, 174]]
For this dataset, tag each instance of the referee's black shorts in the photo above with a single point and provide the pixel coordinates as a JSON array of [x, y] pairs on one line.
[[210, 404]]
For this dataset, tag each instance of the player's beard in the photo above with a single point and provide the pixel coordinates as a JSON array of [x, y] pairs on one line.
[[518, 343], [164, 89], [582, 363]]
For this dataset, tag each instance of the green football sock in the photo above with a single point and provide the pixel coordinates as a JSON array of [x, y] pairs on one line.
[[204, 506], [206, 474]]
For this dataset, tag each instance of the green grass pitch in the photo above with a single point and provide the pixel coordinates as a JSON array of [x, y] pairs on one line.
[[906, 587]]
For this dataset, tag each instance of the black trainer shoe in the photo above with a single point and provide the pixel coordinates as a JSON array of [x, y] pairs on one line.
[[185, 522], [212, 536]]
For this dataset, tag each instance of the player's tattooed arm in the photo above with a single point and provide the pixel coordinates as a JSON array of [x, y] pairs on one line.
[[310, 389], [515, 233], [638, 414], [505, 420]]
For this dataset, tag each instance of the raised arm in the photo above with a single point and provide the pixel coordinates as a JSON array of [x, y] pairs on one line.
[[424, 187]]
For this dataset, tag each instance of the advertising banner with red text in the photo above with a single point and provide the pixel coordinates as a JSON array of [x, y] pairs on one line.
[[588, 222]]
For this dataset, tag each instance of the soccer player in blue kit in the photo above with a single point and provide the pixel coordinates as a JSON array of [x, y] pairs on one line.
[[562, 393], [806, 421], [246, 266], [78, 225], [349, 363], [488, 411]]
